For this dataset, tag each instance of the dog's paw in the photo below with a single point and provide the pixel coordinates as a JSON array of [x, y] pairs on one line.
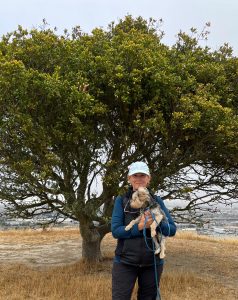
[[162, 255], [157, 251], [127, 228]]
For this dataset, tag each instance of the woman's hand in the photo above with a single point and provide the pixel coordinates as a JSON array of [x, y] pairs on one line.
[[146, 217]]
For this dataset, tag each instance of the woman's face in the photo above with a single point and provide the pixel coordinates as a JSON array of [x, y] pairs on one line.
[[139, 180]]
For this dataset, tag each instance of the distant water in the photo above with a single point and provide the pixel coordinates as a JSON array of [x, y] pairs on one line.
[[221, 223], [211, 230], [25, 224]]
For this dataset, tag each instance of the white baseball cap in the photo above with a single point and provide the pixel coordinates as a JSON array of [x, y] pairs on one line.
[[138, 167]]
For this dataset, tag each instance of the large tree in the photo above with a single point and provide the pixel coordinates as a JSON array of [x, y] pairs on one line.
[[76, 109]]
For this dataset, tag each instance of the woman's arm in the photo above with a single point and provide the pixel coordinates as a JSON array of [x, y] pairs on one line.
[[117, 223]]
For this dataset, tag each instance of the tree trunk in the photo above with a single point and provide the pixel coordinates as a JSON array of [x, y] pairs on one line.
[[92, 238], [91, 249]]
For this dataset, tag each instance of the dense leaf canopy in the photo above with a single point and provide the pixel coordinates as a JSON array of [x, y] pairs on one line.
[[77, 109]]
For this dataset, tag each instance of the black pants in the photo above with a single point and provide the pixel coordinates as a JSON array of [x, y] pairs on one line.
[[124, 278]]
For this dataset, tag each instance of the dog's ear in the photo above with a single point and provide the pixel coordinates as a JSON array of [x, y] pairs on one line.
[[135, 195], [142, 189]]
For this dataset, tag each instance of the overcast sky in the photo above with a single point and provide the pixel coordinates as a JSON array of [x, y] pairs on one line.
[[176, 14]]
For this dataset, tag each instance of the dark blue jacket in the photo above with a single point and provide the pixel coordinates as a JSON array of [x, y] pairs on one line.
[[131, 246]]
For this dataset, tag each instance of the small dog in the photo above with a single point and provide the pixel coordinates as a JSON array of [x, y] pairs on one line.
[[142, 199]]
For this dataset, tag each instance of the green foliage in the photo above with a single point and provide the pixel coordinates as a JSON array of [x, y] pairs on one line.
[[78, 107]]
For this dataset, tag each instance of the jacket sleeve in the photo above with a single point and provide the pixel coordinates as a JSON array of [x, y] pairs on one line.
[[166, 227], [117, 223]]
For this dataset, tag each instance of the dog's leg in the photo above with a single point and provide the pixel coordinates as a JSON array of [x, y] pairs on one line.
[[153, 229], [133, 222], [162, 251], [154, 236], [158, 219], [157, 245]]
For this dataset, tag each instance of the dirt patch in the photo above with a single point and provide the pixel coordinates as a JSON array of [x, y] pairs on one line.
[[40, 249]]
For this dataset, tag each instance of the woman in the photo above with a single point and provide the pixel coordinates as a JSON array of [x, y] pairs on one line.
[[133, 256]]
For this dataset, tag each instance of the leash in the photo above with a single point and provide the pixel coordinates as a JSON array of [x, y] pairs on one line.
[[146, 237], [158, 295]]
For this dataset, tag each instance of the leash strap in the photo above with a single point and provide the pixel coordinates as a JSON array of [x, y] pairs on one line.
[[146, 237], [158, 296]]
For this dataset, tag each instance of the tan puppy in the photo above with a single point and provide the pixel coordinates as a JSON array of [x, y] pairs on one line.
[[142, 199]]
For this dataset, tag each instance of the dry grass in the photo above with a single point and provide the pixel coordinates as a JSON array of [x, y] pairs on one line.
[[39, 236], [190, 271], [189, 286], [81, 281], [191, 235], [72, 282]]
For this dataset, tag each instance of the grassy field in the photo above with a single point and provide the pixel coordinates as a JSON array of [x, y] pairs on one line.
[[196, 268]]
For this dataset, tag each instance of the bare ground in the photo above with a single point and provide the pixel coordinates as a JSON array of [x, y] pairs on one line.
[[40, 248]]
